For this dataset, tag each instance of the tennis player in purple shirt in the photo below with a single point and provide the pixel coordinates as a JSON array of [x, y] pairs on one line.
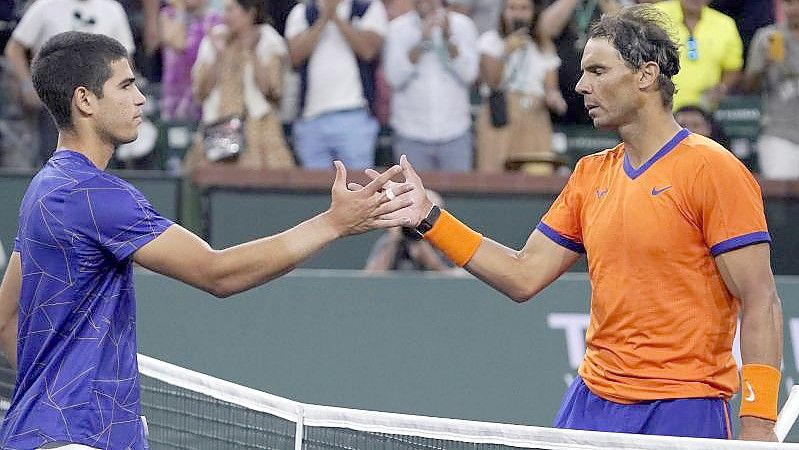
[[67, 305]]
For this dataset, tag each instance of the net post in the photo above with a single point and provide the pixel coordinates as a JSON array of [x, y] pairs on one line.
[[299, 430], [788, 414]]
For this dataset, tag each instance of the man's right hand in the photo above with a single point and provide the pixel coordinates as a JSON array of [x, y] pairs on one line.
[[420, 204], [360, 209]]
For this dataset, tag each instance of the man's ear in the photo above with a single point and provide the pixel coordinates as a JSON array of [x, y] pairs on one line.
[[84, 101], [648, 76]]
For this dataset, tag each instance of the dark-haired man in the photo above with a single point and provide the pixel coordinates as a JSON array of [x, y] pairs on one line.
[[676, 239], [67, 309]]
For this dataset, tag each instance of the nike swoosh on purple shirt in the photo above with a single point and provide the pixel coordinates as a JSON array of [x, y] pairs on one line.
[[656, 191]]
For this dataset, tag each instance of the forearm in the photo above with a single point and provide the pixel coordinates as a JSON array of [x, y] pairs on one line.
[[269, 77], [761, 330], [365, 44], [302, 45], [729, 80], [518, 275], [173, 30], [205, 79], [8, 341], [555, 17], [15, 54], [491, 70], [251, 264]]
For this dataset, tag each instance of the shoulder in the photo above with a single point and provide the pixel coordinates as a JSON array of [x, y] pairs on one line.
[[596, 161], [403, 21], [762, 34], [490, 41], [461, 20], [704, 154]]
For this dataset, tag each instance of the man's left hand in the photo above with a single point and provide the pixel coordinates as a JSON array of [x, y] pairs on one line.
[[757, 429]]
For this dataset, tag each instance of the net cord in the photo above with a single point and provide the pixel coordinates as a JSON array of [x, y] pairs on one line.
[[520, 436]]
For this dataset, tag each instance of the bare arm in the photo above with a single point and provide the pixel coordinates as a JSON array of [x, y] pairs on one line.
[[9, 308], [555, 17], [747, 275], [302, 45], [365, 44], [151, 30], [173, 29], [182, 255], [204, 79], [269, 77], [491, 70], [521, 274], [16, 54]]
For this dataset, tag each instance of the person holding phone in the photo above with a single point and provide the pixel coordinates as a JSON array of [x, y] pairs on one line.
[[519, 66]]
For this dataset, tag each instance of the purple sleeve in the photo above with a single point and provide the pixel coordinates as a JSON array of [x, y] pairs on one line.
[[115, 216]]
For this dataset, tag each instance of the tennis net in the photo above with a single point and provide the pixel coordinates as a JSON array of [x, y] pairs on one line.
[[190, 410]]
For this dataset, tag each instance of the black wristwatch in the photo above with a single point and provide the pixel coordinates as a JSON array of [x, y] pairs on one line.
[[424, 226]]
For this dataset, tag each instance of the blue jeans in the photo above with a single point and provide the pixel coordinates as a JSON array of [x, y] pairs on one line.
[[455, 155], [349, 136], [687, 417]]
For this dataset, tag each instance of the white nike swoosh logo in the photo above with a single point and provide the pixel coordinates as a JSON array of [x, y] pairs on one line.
[[750, 397]]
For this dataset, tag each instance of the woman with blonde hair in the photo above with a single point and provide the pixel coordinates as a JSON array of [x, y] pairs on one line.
[[238, 78], [520, 68]]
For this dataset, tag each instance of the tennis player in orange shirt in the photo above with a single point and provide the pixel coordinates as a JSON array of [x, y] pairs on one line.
[[675, 234]]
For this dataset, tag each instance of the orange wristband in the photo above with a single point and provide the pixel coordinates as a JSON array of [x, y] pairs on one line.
[[455, 239], [760, 385]]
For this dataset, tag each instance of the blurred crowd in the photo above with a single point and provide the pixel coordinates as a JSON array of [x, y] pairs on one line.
[[457, 85]]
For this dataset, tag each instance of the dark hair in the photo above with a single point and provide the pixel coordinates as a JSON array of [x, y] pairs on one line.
[[717, 132], [70, 60], [261, 15], [640, 35], [532, 27]]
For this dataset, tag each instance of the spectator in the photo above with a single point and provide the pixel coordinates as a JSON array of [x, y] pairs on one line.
[[395, 251], [773, 63], [520, 67], [238, 74], [711, 52], [749, 16], [184, 24], [431, 63], [699, 121], [566, 22], [43, 20], [484, 13], [334, 45]]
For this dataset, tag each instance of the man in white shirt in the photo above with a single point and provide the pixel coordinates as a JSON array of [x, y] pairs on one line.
[[43, 20], [431, 62], [484, 13], [334, 45]]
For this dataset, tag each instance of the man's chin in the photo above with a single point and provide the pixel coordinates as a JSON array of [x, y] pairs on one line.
[[129, 139]]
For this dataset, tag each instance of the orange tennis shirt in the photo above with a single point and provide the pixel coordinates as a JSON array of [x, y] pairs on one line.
[[662, 320]]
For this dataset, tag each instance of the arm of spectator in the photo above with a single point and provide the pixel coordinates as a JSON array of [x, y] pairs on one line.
[[9, 308], [463, 37], [366, 44], [17, 56], [207, 67], [382, 255], [552, 95], [269, 77], [151, 26], [173, 26], [461, 7], [399, 64], [491, 70], [426, 255], [757, 60], [303, 39], [556, 16]]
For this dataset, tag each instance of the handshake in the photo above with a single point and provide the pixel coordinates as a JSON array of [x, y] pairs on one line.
[[382, 203]]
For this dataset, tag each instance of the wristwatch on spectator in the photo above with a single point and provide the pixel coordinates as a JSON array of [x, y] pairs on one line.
[[417, 233]]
